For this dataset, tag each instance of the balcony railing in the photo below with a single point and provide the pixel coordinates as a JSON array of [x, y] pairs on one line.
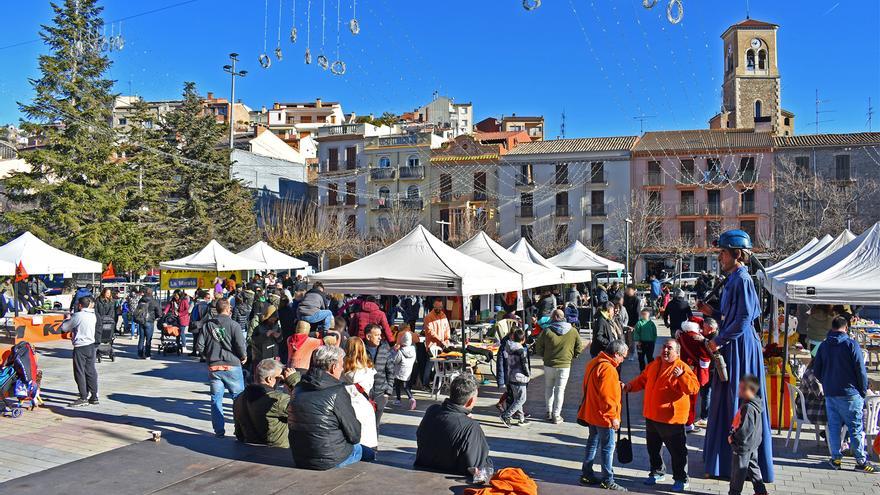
[[399, 140], [526, 212], [562, 211], [653, 179], [412, 203], [597, 210], [417, 172], [524, 180], [747, 208], [445, 196], [688, 208], [748, 176], [688, 177], [480, 196], [341, 130], [384, 173], [713, 208], [381, 203]]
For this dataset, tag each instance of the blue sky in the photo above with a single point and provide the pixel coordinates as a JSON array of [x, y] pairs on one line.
[[601, 61]]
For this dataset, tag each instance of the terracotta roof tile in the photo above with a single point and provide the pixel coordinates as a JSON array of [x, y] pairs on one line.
[[576, 145], [702, 139], [819, 140]]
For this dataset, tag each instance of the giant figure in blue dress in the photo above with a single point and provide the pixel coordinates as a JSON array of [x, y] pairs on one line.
[[740, 345]]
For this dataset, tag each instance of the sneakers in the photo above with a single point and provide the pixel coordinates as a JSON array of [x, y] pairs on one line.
[[94, 401], [523, 422], [867, 467], [610, 485], [78, 403], [834, 464], [655, 478], [692, 429], [412, 404], [680, 486], [701, 423], [557, 420], [549, 417], [506, 422], [220, 434], [588, 480], [397, 403]]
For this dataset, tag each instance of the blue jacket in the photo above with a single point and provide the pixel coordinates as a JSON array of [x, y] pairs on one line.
[[840, 366], [655, 288]]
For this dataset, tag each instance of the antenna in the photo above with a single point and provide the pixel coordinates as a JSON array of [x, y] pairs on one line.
[[642, 118], [747, 10], [562, 125], [870, 114], [820, 112]]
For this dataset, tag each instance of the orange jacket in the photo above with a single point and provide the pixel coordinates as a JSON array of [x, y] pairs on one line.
[[601, 404], [667, 398], [507, 481]]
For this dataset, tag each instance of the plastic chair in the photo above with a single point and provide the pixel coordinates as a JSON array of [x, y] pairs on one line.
[[871, 347], [800, 417], [872, 428], [444, 372]]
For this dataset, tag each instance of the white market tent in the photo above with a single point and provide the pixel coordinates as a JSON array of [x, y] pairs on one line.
[[794, 259], [419, 264], [533, 275], [776, 283], [850, 275], [577, 257], [39, 258], [525, 251], [762, 274], [212, 258], [271, 258]]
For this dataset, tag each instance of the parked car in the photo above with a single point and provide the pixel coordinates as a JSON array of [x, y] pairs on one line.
[[683, 279], [606, 278]]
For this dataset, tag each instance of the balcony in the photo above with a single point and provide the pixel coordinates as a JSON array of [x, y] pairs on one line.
[[341, 130], [653, 179], [712, 209], [688, 177], [526, 213], [562, 212], [412, 173], [687, 209], [412, 203], [445, 196], [480, 196], [748, 176], [747, 208], [384, 173], [597, 210], [524, 182], [398, 140], [381, 203]]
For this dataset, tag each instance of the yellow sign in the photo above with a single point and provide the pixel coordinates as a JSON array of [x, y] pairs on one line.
[[185, 279]]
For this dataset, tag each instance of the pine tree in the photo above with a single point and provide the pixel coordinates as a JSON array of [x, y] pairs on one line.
[[74, 196], [208, 203]]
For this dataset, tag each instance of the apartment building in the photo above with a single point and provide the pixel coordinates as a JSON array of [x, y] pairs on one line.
[[298, 123], [123, 109], [533, 126], [449, 118], [557, 191], [699, 183]]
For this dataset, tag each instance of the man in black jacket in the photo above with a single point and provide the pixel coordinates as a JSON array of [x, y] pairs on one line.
[[324, 430], [678, 310], [448, 440], [221, 342], [604, 332], [145, 315], [379, 352]]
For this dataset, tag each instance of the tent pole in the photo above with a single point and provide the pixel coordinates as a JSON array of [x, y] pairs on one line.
[[784, 380], [14, 297]]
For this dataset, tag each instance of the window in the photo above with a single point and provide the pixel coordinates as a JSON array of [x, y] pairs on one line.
[[305, 119], [332, 193], [384, 224], [747, 200], [525, 175], [747, 169], [351, 157], [384, 192], [123, 121], [597, 235], [713, 202], [525, 231], [412, 192], [350, 193], [688, 232], [713, 230], [750, 60], [802, 163], [687, 204], [562, 173], [841, 168], [654, 201], [597, 172], [787, 121], [332, 159], [445, 187], [412, 161], [687, 171], [655, 174], [562, 233], [562, 204], [749, 227], [351, 223], [757, 109], [762, 60], [480, 186], [597, 203], [526, 202], [384, 162], [713, 169]]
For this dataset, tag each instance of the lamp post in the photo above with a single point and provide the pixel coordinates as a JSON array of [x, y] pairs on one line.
[[443, 225], [230, 69], [628, 222]]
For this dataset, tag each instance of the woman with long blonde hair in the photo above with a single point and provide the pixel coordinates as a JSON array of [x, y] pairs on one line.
[[358, 371]]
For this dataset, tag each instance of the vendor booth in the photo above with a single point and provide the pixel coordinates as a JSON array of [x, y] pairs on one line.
[[482, 248], [525, 251], [271, 258], [199, 269], [578, 257]]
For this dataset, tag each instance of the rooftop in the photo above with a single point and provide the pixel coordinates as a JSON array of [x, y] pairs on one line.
[[576, 145], [750, 24], [818, 140], [702, 139]]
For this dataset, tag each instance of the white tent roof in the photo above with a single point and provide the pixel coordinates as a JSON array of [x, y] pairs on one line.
[[577, 257], [797, 258], [419, 264], [526, 251], [762, 275], [39, 258], [483, 248], [850, 275], [271, 258], [212, 258], [778, 279]]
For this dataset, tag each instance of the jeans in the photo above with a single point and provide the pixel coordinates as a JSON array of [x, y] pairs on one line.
[[145, 339], [846, 410], [84, 373], [517, 401], [705, 397], [402, 386], [133, 327], [358, 453], [181, 339], [600, 443], [745, 467], [322, 315], [231, 381], [555, 380], [676, 443], [646, 354]]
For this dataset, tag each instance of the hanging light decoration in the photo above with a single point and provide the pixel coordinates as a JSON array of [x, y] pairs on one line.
[[353, 24], [531, 4], [265, 61], [293, 24]]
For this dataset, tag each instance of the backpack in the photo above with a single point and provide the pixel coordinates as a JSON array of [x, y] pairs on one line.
[[140, 313]]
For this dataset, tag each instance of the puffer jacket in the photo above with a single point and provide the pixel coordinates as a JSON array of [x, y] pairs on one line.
[[105, 312], [602, 335], [322, 422], [244, 302], [384, 365], [404, 360], [516, 363], [311, 303], [369, 314]]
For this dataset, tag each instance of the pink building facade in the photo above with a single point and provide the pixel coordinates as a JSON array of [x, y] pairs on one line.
[[696, 184]]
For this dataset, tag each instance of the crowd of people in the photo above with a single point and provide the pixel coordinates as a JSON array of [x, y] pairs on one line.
[[314, 373]]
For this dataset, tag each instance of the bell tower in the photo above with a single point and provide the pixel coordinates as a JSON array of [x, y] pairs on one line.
[[751, 91]]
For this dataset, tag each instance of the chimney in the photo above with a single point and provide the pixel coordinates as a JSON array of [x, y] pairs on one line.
[[353, 118], [263, 109], [318, 103], [210, 95]]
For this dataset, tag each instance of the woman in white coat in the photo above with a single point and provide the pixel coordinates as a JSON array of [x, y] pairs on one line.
[[359, 373]]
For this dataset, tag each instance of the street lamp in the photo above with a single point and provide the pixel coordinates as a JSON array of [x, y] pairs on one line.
[[230, 69], [628, 223], [443, 225]]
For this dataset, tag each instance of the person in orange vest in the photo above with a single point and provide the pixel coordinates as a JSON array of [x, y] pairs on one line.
[[668, 384], [600, 411]]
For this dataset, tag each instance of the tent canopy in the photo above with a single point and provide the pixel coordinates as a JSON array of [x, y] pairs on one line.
[[39, 258], [801, 255], [271, 258], [483, 248], [762, 274], [526, 251], [577, 257], [419, 264], [212, 258], [777, 280], [850, 275]]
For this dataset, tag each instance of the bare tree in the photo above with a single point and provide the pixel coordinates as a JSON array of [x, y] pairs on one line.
[[299, 228], [646, 230], [547, 239], [810, 206]]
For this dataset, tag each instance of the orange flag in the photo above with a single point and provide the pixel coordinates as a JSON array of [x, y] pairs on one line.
[[110, 272], [20, 272]]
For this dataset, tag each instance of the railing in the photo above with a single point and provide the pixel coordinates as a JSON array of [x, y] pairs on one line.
[[526, 212], [480, 196], [412, 203], [688, 177], [597, 211], [562, 211], [562, 177], [748, 176], [713, 208], [523, 180], [687, 209], [399, 140], [653, 179], [445, 196], [341, 130], [384, 173], [417, 172], [380, 203], [747, 208]]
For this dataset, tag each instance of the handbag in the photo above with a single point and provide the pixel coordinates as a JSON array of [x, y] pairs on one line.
[[366, 396], [624, 445]]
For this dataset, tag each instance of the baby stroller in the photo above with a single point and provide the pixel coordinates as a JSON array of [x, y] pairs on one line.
[[168, 342], [20, 380], [105, 337]]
